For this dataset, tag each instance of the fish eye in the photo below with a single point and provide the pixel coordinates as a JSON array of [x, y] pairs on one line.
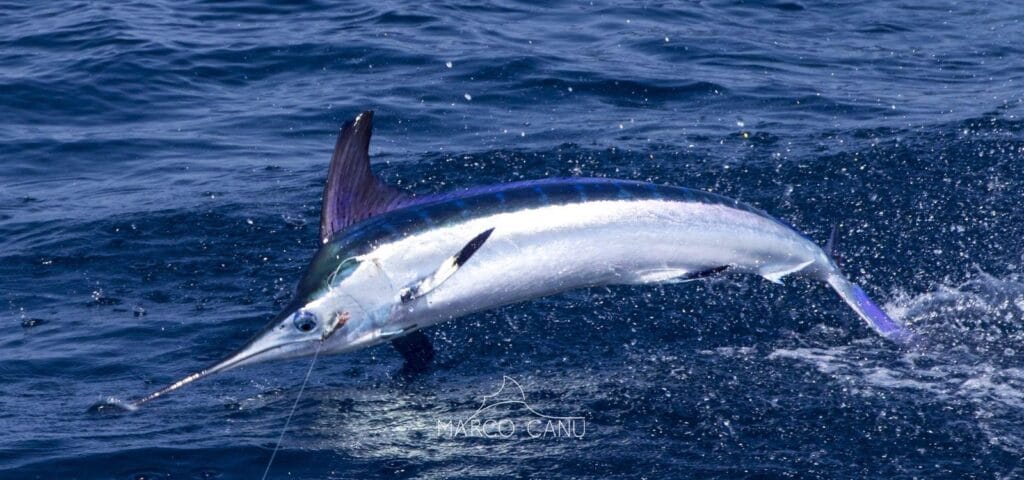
[[305, 322]]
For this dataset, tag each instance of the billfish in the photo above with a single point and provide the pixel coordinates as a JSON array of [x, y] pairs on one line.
[[391, 264]]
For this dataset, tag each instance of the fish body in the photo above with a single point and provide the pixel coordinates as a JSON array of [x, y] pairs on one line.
[[551, 236], [391, 263]]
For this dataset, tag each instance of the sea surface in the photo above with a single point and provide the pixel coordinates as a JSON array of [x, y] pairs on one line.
[[161, 165]]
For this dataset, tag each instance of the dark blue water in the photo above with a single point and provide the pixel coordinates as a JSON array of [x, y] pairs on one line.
[[160, 173]]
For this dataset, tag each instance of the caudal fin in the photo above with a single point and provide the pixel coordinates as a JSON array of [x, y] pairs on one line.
[[878, 320]]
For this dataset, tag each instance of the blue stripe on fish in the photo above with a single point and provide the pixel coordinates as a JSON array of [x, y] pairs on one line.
[[582, 190], [544, 200], [425, 216], [434, 210]]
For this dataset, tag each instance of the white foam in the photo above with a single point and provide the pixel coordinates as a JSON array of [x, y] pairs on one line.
[[973, 331]]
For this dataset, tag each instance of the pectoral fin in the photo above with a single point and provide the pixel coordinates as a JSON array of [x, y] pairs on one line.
[[445, 271]]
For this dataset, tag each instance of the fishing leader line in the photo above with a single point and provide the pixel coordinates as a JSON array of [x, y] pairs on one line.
[[294, 406]]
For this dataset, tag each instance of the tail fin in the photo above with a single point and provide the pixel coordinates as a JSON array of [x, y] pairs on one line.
[[871, 313]]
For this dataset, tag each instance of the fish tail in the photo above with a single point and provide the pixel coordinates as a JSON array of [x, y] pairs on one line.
[[877, 319]]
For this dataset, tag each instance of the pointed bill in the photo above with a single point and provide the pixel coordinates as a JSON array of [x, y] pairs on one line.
[[273, 342]]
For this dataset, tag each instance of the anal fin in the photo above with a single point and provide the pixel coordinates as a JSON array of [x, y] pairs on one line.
[[416, 349], [676, 275], [711, 272], [776, 276]]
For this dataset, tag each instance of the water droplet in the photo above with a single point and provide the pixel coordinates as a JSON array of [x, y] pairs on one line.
[[112, 405], [32, 322], [99, 298]]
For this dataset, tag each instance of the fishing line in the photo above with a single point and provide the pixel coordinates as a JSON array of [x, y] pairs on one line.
[[294, 406]]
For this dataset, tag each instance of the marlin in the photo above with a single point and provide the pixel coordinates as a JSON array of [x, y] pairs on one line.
[[391, 264]]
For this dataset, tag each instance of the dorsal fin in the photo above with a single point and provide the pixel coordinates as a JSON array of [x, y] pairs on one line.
[[353, 192], [833, 244]]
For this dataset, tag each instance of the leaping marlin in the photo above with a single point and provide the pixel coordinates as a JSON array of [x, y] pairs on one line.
[[391, 264]]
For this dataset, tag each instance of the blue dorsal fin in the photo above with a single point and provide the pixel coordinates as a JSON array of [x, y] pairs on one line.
[[353, 192]]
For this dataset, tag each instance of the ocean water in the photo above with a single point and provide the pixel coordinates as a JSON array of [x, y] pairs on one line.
[[160, 174]]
